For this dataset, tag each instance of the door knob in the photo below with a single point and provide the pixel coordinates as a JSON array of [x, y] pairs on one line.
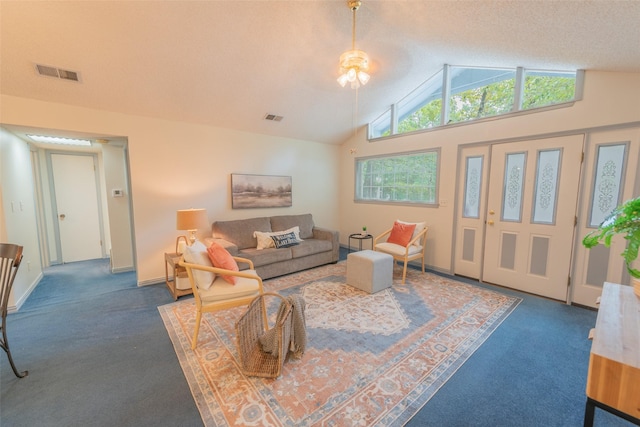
[[492, 212], [490, 222], [62, 216]]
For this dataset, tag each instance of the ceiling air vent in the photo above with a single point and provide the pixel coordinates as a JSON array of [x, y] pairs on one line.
[[273, 117], [47, 71]]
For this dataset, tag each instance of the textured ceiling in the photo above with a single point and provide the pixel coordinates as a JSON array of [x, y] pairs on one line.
[[228, 63]]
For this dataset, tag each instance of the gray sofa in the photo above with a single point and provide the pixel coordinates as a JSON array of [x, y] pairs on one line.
[[319, 246]]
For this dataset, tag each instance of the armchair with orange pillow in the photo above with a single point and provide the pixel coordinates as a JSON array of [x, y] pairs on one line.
[[217, 282], [406, 241]]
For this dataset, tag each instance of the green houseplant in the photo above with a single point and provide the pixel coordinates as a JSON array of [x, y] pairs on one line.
[[625, 221]]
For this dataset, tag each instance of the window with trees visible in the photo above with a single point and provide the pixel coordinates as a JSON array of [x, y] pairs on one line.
[[480, 92], [542, 88], [422, 108], [402, 178], [461, 94]]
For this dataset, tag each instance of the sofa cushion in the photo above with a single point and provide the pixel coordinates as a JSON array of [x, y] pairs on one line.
[[419, 227], [304, 221], [221, 258], [392, 248], [261, 257], [285, 240], [240, 232], [221, 290], [401, 233], [265, 240], [197, 254], [310, 247]]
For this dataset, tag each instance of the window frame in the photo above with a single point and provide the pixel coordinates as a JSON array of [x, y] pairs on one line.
[[357, 197], [516, 110]]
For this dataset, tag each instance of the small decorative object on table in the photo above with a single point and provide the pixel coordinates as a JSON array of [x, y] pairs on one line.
[[364, 231]]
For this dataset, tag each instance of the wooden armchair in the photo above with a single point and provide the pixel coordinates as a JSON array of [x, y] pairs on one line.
[[415, 249], [10, 257], [221, 295]]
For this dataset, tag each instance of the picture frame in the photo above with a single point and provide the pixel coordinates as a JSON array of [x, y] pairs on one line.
[[260, 191]]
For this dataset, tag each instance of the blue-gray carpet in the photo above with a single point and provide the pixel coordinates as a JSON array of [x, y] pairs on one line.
[[98, 354]]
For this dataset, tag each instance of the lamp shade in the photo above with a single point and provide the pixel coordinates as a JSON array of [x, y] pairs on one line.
[[191, 219]]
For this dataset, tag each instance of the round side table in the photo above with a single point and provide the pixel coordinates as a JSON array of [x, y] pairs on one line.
[[360, 237]]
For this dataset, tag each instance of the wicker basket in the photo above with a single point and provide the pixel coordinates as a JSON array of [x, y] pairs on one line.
[[250, 327]]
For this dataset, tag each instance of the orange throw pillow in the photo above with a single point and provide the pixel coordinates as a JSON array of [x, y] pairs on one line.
[[401, 233], [221, 258]]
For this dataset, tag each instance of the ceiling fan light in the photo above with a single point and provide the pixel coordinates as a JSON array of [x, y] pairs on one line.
[[363, 77], [354, 63], [351, 75]]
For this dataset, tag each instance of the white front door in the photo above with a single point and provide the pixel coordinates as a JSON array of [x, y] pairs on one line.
[[531, 208], [76, 201]]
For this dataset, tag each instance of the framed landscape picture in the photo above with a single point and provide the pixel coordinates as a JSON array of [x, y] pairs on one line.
[[260, 191]]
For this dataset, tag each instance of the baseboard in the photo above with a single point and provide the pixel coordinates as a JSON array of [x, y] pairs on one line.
[[150, 282], [122, 269], [23, 299]]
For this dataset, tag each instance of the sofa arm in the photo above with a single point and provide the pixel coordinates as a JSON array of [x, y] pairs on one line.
[[324, 233], [332, 236], [230, 247]]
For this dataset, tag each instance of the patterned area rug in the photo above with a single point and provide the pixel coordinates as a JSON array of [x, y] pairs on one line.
[[371, 360]]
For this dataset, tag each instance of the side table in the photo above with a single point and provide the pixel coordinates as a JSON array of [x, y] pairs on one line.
[[171, 261], [360, 237]]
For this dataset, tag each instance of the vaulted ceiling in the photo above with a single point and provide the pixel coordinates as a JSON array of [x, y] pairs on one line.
[[229, 63]]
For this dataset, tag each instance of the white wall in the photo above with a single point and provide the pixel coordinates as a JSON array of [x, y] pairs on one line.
[[609, 99], [18, 213], [118, 228], [178, 165]]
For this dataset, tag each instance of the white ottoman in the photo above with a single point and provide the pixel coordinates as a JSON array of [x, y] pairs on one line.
[[369, 271]]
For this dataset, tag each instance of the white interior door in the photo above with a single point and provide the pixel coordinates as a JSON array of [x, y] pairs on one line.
[[531, 207], [76, 200], [473, 173]]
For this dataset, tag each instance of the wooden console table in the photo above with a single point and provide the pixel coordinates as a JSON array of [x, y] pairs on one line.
[[613, 381]]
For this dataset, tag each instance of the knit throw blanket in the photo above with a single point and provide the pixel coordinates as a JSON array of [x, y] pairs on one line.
[[269, 340]]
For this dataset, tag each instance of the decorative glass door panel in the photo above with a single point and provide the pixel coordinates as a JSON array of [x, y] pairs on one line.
[[472, 187], [546, 189], [513, 184], [605, 194]]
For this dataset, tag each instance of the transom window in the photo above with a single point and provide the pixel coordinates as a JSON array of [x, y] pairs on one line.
[[480, 92], [401, 178], [461, 94]]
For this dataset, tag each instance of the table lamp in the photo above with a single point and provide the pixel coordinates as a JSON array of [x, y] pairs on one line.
[[189, 220]]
